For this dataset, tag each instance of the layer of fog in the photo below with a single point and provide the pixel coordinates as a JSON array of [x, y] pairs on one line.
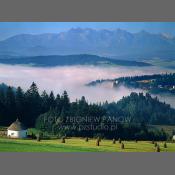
[[74, 78]]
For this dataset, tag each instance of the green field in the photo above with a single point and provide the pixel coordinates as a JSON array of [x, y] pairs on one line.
[[78, 145]]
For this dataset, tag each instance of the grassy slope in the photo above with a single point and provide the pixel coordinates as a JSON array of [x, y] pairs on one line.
[[77, 145]]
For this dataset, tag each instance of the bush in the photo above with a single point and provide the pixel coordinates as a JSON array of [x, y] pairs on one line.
[[113, 141]]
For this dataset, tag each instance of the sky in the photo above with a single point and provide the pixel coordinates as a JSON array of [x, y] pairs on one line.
[[8, 29]]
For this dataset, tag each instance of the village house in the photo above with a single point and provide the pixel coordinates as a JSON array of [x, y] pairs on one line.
[[17, 130]]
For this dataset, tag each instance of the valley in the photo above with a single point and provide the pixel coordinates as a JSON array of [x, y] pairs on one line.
[[87, 89]]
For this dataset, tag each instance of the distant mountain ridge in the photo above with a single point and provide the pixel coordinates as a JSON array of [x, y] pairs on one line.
[[90, 41], [68, 60]]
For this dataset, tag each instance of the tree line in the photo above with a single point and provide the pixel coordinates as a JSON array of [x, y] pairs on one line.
[[142, 110], [156, 81], [34, 109], [28, 105]]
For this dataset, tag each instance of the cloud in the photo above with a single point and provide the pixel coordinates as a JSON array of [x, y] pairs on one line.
[[73, 79]]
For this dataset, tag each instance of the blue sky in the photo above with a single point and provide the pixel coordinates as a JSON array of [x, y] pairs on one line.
[[8, 29]]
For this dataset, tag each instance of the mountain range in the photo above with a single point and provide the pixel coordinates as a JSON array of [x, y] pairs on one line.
[[112, 43]]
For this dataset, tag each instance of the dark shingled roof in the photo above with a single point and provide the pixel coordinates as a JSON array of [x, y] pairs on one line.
[[17, 126]]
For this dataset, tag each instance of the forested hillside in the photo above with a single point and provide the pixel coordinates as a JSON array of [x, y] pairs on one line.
[[142, 108], [34, 109], [67, 60], [156, 83]]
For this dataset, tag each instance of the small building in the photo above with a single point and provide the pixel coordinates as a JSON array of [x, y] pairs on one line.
[[17, 130], [173, 138]]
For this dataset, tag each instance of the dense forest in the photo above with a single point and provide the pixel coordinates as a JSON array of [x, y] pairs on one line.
[[155, 84], [49, 113], [142, 108]]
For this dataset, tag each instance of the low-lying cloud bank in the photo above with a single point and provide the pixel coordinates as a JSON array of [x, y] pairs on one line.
[[73, 79]]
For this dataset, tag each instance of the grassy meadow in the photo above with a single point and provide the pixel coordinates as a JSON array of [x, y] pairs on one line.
[[79, 145]]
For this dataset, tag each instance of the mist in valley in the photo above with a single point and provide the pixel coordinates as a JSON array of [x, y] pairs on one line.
[[73, 80]]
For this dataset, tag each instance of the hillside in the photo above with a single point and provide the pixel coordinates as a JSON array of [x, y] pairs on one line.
[[57, 60], [155, 84], [35, 109], [142, 108], [90, 41]]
